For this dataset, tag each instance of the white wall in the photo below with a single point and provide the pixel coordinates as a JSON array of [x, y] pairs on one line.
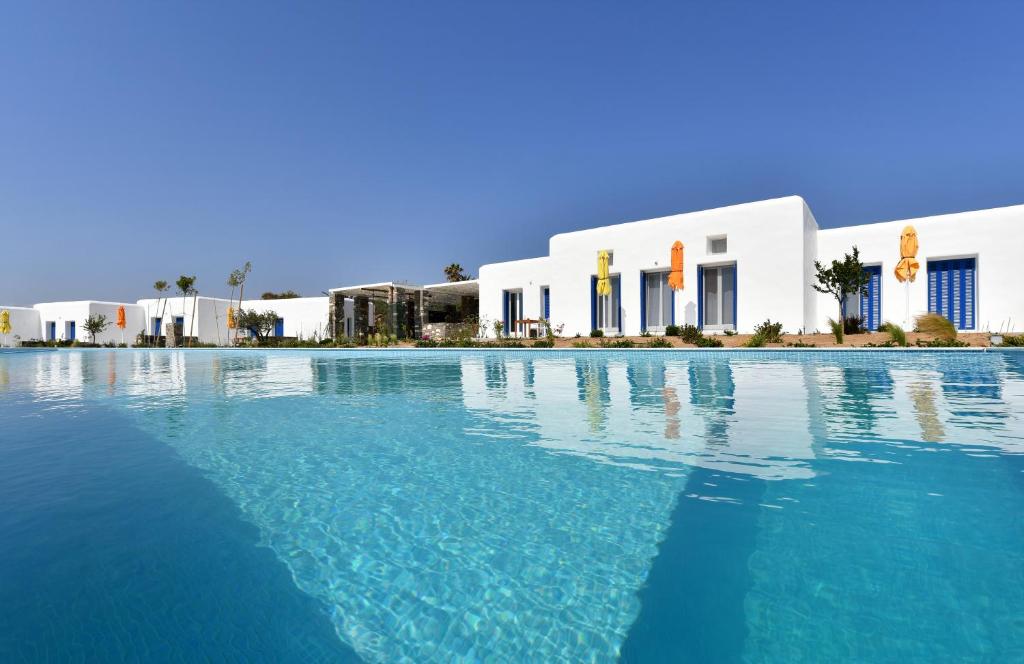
[[995, 237], [25, 325], [765, 240], [304, 317], [62, 313]]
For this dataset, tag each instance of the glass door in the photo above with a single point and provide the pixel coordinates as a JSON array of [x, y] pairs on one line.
[[657, 302], [608, 309], [719, 297]]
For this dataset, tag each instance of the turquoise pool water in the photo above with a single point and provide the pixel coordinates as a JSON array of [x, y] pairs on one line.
[[525, 507]]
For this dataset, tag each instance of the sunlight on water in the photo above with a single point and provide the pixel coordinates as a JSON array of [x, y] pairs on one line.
[[509, 507]]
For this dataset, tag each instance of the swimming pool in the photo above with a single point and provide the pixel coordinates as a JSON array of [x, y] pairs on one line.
[[560, 506]]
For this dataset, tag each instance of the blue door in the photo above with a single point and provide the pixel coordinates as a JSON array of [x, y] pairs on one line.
[[871, 305], [279, 327], [547, 304], [951, 290], [71, 331], [157, 324], [52, 326], [179, 321]]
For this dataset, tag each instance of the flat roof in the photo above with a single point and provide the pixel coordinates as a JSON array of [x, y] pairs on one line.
[[467, 287], [374, 289]]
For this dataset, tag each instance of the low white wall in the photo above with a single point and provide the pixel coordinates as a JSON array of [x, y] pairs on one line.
[[25, 326], [994, 237]]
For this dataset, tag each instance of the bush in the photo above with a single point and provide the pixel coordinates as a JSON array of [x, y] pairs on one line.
[[708, 342], [853, 325], [896, 334], [799, 343], [597, 333], [690, 333], [768, 333], [618, 343], [671, 330], [935, 325], [941, 343], [581, 344], [837, 329], [659, 342], [543, 343], [730, 333], [1010, 340], [426, 343]]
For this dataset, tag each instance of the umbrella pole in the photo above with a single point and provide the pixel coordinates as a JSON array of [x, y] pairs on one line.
[[906, 290]]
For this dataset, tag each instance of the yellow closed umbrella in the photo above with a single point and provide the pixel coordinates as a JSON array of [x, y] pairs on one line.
[[604, 284], [675, 277], [231, 318], [5, 323], [906, 269]]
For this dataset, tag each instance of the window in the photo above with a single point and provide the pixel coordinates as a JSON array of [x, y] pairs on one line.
[[951, 291], [657, 303], [605, 309], [545, 303], [716, 300], [512, 307], [718, 244]]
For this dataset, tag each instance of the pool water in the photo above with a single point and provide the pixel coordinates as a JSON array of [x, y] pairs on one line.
[[436, 506]]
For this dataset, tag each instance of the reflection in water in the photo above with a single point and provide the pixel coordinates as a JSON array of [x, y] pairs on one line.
[[455, 506], [926, 412]]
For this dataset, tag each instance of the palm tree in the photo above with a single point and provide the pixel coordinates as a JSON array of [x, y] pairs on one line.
[[186, 286], [239, 277], [160, 287]]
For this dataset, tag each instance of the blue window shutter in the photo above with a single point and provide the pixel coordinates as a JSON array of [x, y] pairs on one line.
[[870, 305], [504, 309], [643, 301], [593, 303], [72, 330], [700, 297], [279, 327], [547, 304], [617, 288], [970, 313]]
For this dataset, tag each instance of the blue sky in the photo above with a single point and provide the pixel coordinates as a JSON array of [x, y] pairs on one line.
[[335, 143]]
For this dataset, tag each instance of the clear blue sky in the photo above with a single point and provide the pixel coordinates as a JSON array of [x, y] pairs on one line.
[[335, 143]]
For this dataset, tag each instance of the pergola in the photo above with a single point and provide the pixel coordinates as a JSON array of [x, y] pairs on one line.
[[409, 306]]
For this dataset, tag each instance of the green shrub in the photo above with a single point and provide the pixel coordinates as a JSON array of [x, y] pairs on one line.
[[755, 341], [768, 333], [1010, 340], [853, 325], [581, 344], [619, 343], [730, 333], [597, 333], [896, 334], [941, 343], [544, 343], [935, 325], [671, 330], [708, 342], [659, 342], [799, 343], [837, 329], [690, 333], [426, 343]]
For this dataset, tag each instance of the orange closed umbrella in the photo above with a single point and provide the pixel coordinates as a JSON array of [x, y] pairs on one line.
[[675, 277], [231, 318], [120, 317], [906, 269]]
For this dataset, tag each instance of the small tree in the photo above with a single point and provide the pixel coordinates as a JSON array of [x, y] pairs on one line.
[[95, 324], [454, 273], [261, 324], [841, 279], [237, 280]]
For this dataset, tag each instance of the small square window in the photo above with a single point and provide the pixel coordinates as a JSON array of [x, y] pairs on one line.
[[717, 245]]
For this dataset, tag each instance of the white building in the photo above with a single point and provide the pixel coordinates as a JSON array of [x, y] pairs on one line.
[[748, 263], [299, 317], [203, 318], [65, 321]]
